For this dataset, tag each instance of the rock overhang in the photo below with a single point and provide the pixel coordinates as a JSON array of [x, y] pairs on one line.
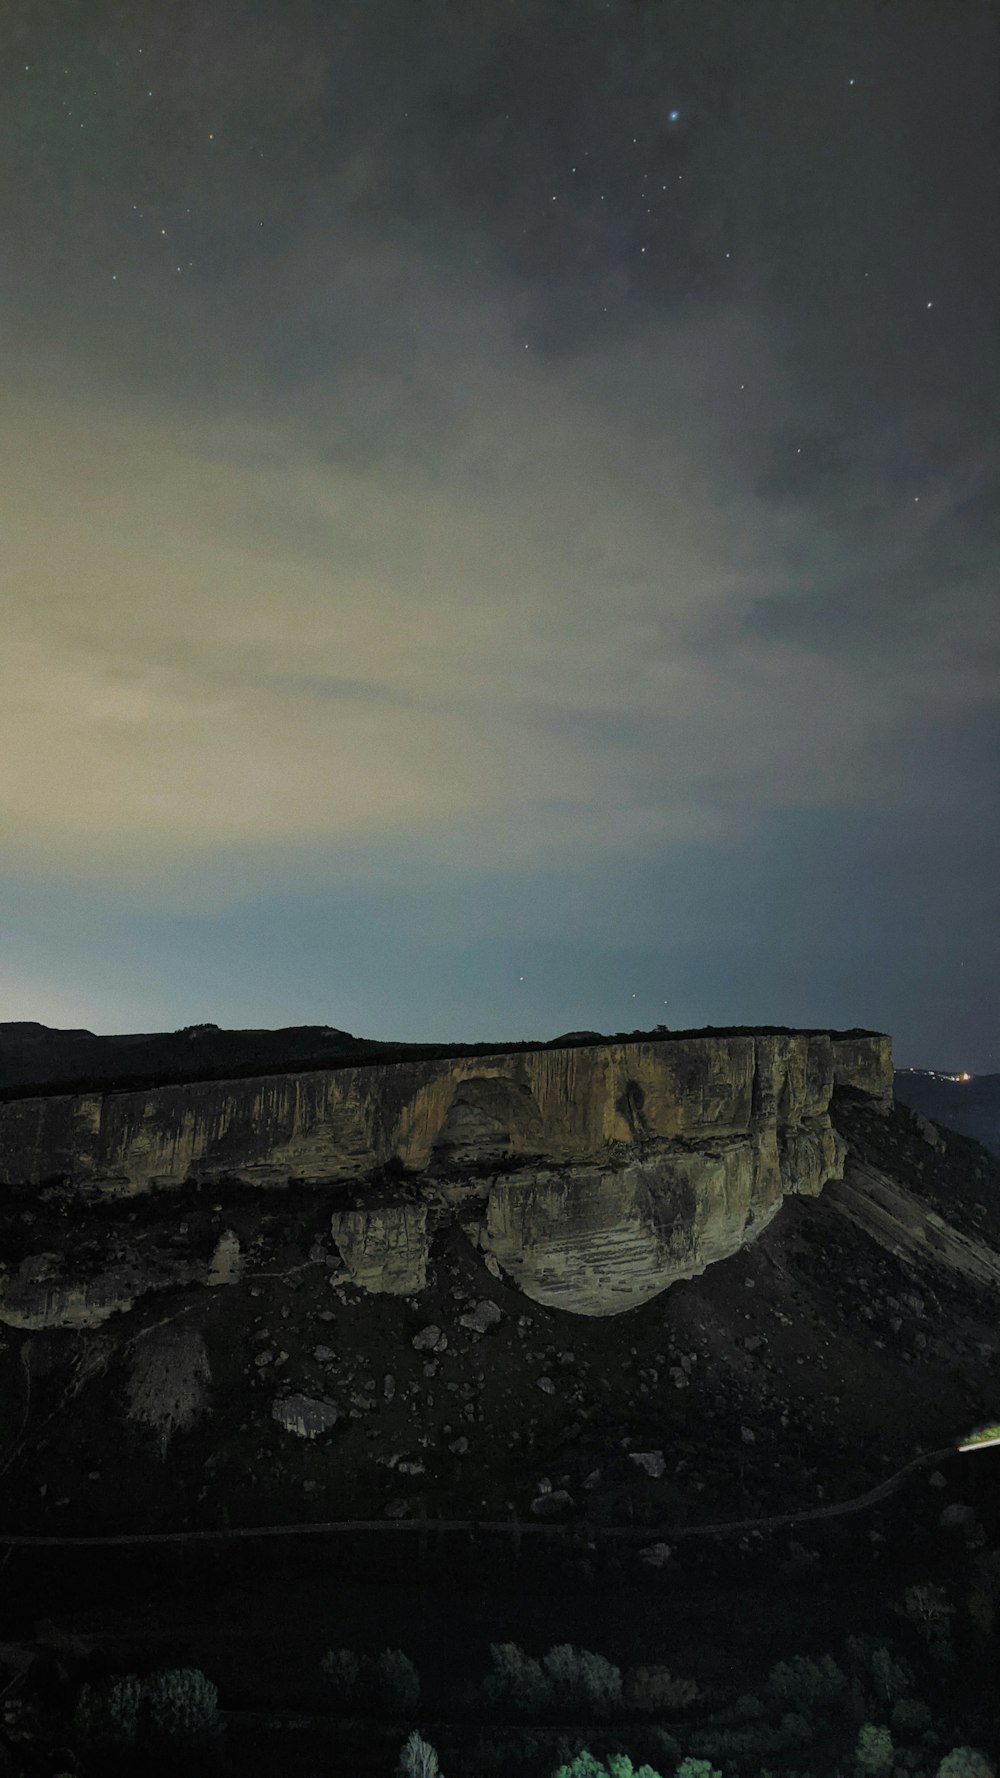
[[593, 1175]]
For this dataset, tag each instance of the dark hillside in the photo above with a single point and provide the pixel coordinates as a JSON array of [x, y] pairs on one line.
[[971, 1106]]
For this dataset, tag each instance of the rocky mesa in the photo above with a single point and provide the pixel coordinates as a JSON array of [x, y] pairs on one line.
[[591, 1176]]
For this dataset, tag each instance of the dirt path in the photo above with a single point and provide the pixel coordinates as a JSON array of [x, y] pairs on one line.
[[508, 1527]]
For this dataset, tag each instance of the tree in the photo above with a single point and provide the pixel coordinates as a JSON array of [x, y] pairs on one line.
[[417, 1758]]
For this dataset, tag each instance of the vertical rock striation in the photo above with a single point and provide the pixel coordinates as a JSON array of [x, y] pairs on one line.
[[594, 1176]]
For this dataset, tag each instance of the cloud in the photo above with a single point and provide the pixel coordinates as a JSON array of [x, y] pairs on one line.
[[425, 586]]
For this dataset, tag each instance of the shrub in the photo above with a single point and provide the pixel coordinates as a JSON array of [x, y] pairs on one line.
[[667, 1745], [748, 1742], [113, 1719], [580, 1680], [858, 1652], [980, 1605], [656, 1688], [874, 1750], [124, 1708], [889, 1675], [929, 1609], [802, 1681], [892, 1677], [910, 1716], [417, 1758], [515, 1680], [796, 1730], [696, 1768], [177, 1704], [966, 1762], [617, 1765], [181, 1705], [512, 1749], [396, 1683], [743, 1710], [390, 1682], [341, 1670]]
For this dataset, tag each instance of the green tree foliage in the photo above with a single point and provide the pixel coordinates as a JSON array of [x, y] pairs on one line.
[[910, 1716], [389, 1682], [886, 1676], [417, 1758], [396, 1682], [580, 1680], [515, 1681], [109, 1718], [617, 1765], [966, 1762], [653, 1689], [874, 1750], [697, 1768], [341, 1671], [181, 1705], [801, 1681], [891, 1676], [568, 1679], [930, 1611], [177, 1705]]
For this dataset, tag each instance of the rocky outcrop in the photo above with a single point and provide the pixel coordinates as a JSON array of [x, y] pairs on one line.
[[593, 1176], [862, 1062], [598, 1241], [384, 1246], [912, 1231], [303, 1415], [169, 1378], [44, 1293]]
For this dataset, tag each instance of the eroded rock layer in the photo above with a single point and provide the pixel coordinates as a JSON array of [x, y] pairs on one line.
[[594, 1177]]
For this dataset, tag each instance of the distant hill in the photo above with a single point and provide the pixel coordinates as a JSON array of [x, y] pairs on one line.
[[972, 1107], [34, 1055]]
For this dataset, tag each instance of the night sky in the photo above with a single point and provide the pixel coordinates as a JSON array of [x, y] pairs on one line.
[[494, 490]]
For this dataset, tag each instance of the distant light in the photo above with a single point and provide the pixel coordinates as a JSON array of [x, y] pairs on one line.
[[674, 116]]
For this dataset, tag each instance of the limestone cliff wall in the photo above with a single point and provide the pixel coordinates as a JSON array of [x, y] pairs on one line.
[[594, 1176]]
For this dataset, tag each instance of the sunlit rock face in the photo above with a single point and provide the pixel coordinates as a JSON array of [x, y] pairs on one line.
[[44, 1293], [594, 1176], [599, 1241], [384, 1246]]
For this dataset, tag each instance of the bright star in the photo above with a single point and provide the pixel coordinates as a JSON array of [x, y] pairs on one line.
[[674, 116]]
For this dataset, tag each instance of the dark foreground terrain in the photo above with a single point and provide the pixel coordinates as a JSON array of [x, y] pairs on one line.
[[972, 1107], [794, 1377]]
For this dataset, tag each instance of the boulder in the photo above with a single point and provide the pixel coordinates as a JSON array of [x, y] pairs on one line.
[[304, 1415], [485, 1315]]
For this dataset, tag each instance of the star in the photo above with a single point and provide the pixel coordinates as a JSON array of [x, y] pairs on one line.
[[674, 116]]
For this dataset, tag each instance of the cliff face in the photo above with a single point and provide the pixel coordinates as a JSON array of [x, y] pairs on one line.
[[594, 1177], [189, 1332]]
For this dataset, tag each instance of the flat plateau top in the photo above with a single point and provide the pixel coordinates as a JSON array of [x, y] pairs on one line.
[[39, 1062]]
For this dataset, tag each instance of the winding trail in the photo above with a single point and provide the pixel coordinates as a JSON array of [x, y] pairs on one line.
[[647, 1534]]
